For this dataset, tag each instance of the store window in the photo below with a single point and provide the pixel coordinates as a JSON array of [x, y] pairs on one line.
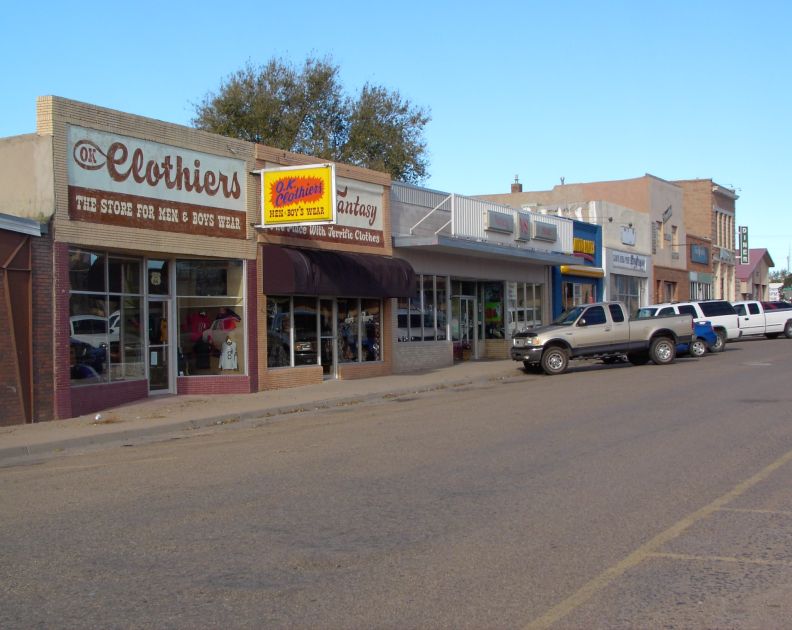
[[627, 289], [105, 342], [424, 317], [524, 306], [700, 291], [210, 307], [296, 324], [492, 303], [577, 293]]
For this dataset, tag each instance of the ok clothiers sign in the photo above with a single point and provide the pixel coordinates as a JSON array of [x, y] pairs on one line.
[[298, 195], [118, 180]]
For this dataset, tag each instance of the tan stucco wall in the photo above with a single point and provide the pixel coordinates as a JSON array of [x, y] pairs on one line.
[[26, 177]]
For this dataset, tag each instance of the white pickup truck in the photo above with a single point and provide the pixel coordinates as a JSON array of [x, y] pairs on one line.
[[756, 318]]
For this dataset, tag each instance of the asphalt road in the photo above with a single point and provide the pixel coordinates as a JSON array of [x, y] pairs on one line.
[[608, 497]]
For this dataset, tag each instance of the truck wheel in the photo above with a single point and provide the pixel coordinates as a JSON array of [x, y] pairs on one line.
[[788, 330], [638, 358], [698, 348], [555, 361], [720, 341], [662, 351]]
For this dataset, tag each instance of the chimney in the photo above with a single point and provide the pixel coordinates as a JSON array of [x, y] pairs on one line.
[[516, 186]]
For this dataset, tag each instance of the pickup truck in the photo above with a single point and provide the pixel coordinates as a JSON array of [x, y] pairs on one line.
[[719, 312], [755, 319], [601, 330]]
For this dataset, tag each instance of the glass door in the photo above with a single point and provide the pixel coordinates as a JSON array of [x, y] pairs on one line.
[[158, 289], [463, 326], [158, 349], [327, 337]]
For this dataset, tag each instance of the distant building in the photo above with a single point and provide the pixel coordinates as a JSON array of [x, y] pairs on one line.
[[661, 200], [710, 215], [754, 278]]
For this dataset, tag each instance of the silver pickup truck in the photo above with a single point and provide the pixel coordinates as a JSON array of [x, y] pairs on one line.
[[601, 330]]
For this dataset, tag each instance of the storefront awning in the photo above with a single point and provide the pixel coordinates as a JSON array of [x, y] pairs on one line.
[[293, 271], [583, 270]]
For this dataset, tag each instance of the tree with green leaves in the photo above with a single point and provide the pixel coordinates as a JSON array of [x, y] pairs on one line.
[[306, 111]]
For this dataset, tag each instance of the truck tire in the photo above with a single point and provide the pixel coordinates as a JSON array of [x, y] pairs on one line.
[[662, 351], [638, 358], [720, 341], [788, 330], [698, 348], [555, 360]]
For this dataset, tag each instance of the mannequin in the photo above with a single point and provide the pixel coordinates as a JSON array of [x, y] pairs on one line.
[[228, 355]]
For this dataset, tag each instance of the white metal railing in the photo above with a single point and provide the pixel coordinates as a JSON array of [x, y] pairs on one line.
[[437, 207]]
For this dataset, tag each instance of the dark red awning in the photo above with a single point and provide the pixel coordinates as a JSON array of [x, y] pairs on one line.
[[298, 271]]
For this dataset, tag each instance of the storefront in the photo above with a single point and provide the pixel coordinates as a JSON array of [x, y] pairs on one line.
[[483, 273], [328, 291], [627, 275], [580, 283], [153, 256]]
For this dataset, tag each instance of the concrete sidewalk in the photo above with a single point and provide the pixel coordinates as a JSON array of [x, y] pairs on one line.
[[160, 417]]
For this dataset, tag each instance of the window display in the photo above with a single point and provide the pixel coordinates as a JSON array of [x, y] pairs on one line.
[[105, 300], [210, 304]]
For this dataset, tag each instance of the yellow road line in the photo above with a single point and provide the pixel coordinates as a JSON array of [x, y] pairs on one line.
[[756, 511], [609, 575], [729, 559]]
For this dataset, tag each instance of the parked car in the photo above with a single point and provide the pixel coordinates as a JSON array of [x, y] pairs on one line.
[[601, 330], [95, 330], [704, 336], [759, 318], [704, 339], [720, 312]]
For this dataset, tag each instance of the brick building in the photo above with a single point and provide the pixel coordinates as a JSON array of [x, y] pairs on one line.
[[136, 265], [710, 211]]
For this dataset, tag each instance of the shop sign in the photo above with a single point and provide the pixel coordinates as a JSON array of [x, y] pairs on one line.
[[358, 217], [627, 235], [703, 278], [523, 227], [625, 260], [499, 222], [725, 256], [744, 253], [584, 248], [545, 232], [699, 254], [298, 195], [129, 182]]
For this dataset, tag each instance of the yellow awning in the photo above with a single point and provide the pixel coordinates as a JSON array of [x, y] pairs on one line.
[[583, 270]]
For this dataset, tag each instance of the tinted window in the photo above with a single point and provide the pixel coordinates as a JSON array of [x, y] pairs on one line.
[[594, 315], [753, 309], [688, 309], [668, 310], [715, 308], [617, 315], [740, 308]]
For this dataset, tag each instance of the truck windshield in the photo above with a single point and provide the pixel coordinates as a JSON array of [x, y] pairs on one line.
[[568, 318]]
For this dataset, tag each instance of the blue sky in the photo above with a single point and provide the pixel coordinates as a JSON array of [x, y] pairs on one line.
[[582, 90]]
